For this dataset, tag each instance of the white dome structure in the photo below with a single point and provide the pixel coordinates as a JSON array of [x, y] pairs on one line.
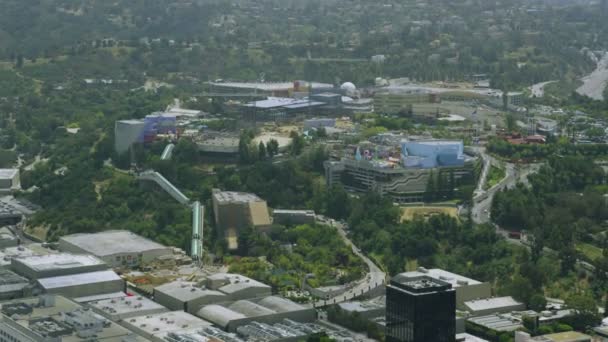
[[348, 86]]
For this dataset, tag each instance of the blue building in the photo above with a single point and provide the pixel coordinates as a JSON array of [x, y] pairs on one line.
[[426, 154]]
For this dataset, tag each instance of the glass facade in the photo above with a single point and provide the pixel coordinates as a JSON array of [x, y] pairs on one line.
[[423, 312]]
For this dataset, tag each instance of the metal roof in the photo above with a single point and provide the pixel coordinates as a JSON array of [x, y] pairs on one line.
[[491, 303], [58, 261], [8, 173], [78, 279], [219, 315], [280, 304], [126, 304], [112, 242], [250, 309]]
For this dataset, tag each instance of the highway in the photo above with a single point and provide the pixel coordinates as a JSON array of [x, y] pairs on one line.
[[372, 279]]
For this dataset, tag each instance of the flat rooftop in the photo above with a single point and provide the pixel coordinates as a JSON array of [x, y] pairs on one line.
[[270, 86], [235, 197], [126, 305], [78, 279], [8, 173], [112, 242], [185, 290], [40, 316], [166, 322], [59, 261], [455, 279], [568, 336], [235, 282], [497, 322], [491, 303]]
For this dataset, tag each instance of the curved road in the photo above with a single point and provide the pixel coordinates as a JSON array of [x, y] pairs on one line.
[[373, 278]]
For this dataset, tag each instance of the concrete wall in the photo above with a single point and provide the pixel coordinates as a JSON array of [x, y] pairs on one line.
[[471, 292], [91, 289]]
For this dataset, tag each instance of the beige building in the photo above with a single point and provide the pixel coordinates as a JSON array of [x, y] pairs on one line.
[[467, 289], [236, 211]]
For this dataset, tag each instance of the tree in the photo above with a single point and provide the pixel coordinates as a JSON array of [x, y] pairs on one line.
[[261, 151], [510, 122], [272, 148], [297, 143], [585, 309]]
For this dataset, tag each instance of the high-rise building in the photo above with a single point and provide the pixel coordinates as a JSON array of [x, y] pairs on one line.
[[420, 309]]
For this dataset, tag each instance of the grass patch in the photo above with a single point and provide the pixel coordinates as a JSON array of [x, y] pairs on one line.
[[495, 175], [408, 213], [562, 89], [591, 252]]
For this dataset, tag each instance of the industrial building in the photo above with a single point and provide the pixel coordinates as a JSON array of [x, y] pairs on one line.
[[82, 284], [237, 286], [9, 253], [118, 248], [420, 308], [186, 296], [487, 306], [286, 330], [467, 289], [156, 327], [269, 310], [12, 285], [293, 217], [56, 318], [278, 108], [206, 334], [9, 180], [235, 211], [127, 133], [428, 154], [121, 308], [36, 266]]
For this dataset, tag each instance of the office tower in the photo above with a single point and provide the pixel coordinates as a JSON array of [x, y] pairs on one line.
[[420, 309]]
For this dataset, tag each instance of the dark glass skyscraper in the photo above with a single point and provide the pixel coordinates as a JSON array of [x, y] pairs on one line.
[[420, 309]]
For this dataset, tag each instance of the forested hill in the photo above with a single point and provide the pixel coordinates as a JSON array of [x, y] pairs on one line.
[[517, 42]]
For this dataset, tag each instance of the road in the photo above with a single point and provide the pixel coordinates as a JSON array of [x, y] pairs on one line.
[[482, 202], [595, 83], [372, 279]]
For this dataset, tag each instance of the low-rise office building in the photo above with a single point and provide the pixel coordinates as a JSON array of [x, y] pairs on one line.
[[83, 284], [36, 266], [56, 318], [121, 308], [467, 289], [118, 248]]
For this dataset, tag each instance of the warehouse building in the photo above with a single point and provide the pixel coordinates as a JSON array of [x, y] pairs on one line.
[[487, 306], [56, 318], [9, 180], [236, 286], [127, 133], [365, 309], [156, 327], [36, 266], [269, 310], [121, 308], [235, 211], [12, 285], [467, 289], [118, 248], [13, 210], [83, 284], [210, 334], [186, 296], [9, 253]]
